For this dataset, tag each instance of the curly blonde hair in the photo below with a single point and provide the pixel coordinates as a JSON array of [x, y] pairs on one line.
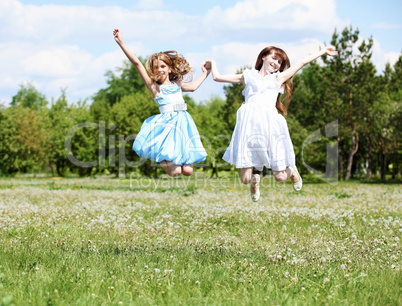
[[181, 69]]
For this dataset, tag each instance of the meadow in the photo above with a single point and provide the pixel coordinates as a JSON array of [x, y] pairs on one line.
[[105, 241]]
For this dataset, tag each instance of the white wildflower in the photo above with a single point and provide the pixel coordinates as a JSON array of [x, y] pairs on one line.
[[343, 267]]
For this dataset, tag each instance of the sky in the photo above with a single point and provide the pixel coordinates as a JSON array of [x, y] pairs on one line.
[[68, 45]]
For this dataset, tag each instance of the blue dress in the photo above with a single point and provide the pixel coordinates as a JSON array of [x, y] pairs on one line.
[[170, 136]]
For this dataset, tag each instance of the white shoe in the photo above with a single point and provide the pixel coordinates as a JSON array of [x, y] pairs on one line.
[[255, 183], [298, 185]]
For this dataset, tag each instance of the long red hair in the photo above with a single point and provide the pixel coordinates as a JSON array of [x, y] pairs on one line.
[[281, 107]]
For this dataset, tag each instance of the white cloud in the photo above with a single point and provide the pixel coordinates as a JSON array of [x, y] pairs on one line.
[[286, 14], [85, 24], [380, 58], [55, 46], [59, 67]]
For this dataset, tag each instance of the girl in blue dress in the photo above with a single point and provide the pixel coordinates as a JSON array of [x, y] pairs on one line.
[[171, 137]]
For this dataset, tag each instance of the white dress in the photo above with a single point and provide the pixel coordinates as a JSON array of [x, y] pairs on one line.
[[261, 135]]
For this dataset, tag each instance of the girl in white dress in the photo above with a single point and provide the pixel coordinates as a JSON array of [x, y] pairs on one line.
[[261, 135]]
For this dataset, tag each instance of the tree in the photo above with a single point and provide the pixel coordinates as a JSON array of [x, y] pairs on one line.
[[353, 73], [213, 131], [127, 117], [72, 125], [126, 82], [29, 97], [23, 140], [234, 99], [385, 117]]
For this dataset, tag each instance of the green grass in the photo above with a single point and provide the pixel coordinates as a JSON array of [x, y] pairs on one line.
[[198, 241]]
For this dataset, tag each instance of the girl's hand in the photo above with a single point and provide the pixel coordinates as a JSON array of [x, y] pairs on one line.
[[330, 52], [209, 63], [206, 67], [117, 36]]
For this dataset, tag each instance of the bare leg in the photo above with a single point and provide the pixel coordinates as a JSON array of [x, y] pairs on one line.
[[171, 169], [187, 170], [284, 175], [294, 177], [246, 175]]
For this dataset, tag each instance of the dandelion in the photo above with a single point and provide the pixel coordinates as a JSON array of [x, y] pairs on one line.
[[37, 268], [157, 271], [343, 267]]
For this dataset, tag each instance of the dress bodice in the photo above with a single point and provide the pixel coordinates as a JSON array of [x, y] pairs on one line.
[[264, 89], [169, 94]]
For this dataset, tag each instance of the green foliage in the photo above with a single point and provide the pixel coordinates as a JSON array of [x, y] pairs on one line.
[[127, 117], [355, 85], [234, 99], [29, 97], [72, 133], [23, 140], [214, 131], [126, 82]]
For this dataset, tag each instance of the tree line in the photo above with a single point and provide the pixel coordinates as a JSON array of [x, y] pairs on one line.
[[362, 107]]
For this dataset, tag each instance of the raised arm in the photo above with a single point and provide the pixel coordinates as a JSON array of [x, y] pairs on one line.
[[288, 73], [151, 85], [190, 87], [228, 78]]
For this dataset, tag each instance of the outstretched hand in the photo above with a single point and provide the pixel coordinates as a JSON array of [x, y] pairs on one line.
[[209, 63], [206, 67], [117, 36], [330, 52]]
